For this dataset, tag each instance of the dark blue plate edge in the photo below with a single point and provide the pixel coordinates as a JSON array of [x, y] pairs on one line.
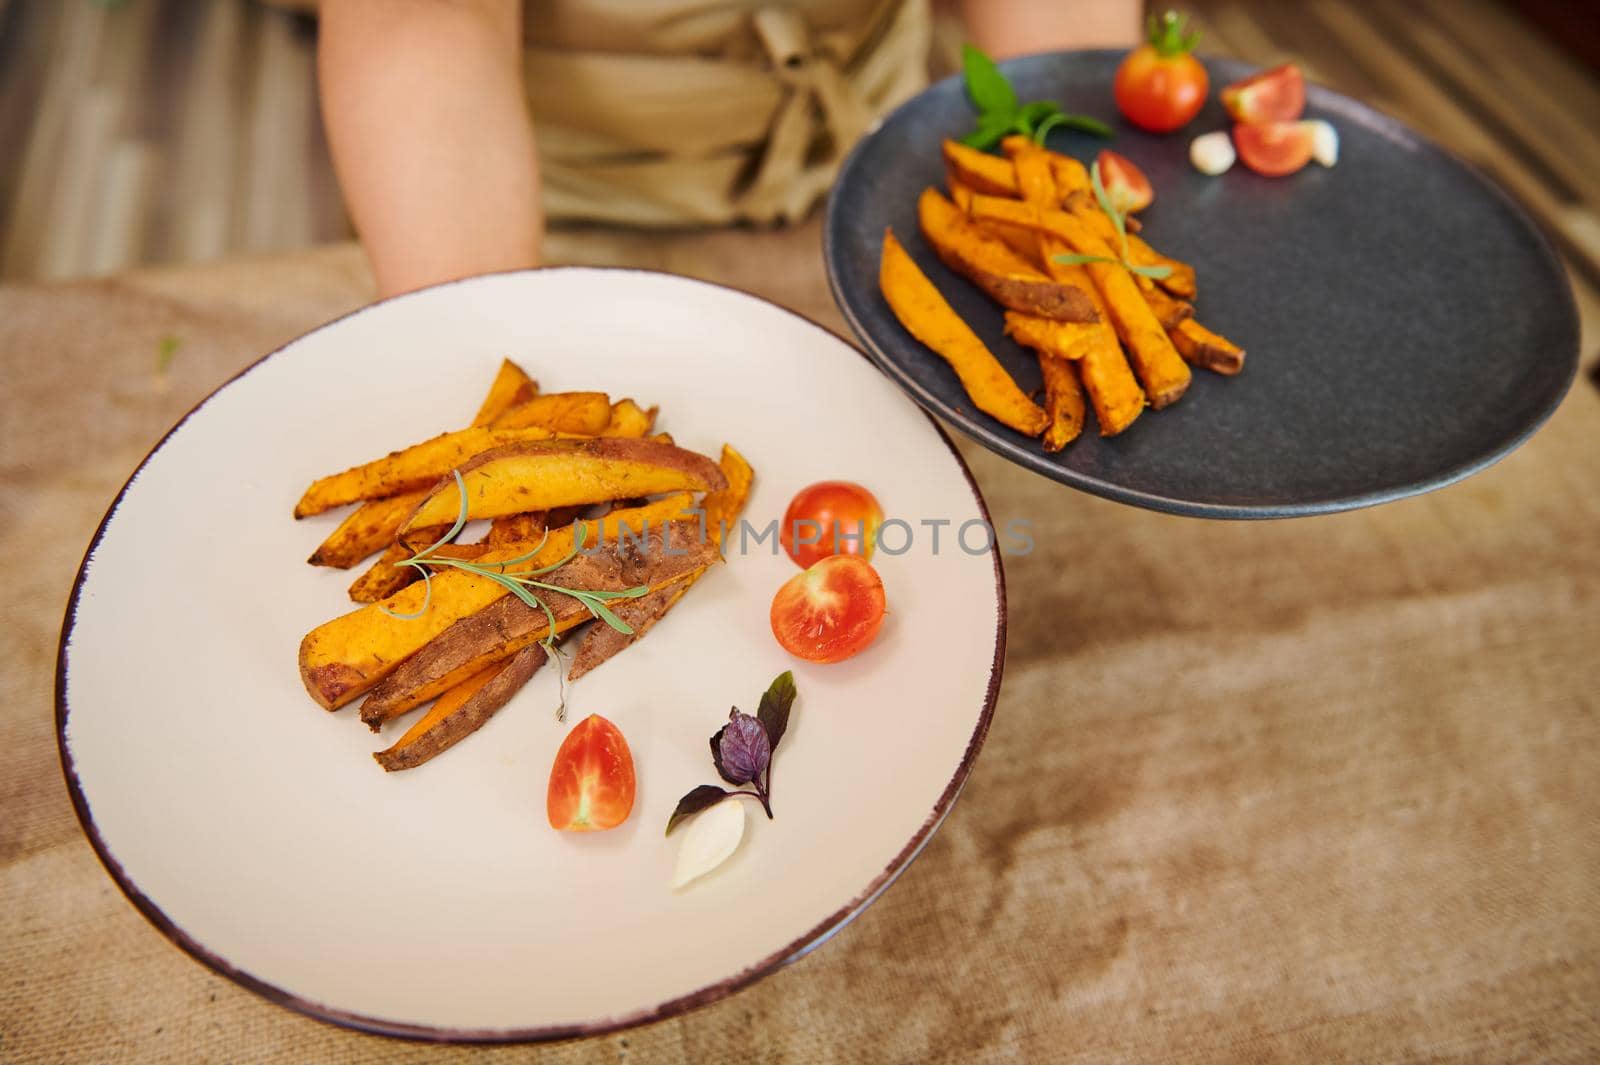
[[988, 432]]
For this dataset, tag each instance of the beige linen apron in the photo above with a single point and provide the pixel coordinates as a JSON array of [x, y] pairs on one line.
[[704, 112], [682, 112]]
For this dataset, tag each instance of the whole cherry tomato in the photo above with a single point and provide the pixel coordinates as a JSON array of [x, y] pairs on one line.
[[592, 782], [1160, 86], [831, 611], [833, 518]]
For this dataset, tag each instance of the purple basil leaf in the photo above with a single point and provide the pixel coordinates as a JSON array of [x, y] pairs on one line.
[[701, 798], [716, 756], [742, 748], [774, 709]]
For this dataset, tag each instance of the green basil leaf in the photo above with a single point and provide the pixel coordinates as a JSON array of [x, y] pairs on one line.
[[990, 129], [1081, 123], [989, 89]]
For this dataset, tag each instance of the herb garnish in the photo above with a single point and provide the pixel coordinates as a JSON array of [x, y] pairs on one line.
[[1000, 113], [519, 584], [742, 752], [1155, 273]]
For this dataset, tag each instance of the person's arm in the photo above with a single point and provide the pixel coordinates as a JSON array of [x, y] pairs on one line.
[[428, 122], [1005, 28]]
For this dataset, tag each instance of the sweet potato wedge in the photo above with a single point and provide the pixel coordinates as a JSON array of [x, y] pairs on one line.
[[419, 466], [573, 413], [1063, 402], [369, 528], [1204, 348], [926, 316], [1007, 278], [668, 553], [513, 528], [1168, 309], [721, 509], [511, 386], [543, 474], [628, 419], [386, 576], [1102, 369], [980, 171], [1164, 373], [461, 711], [342, 658]]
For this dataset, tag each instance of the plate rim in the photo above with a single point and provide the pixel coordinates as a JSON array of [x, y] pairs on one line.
[[988, 432], [442, 1034]]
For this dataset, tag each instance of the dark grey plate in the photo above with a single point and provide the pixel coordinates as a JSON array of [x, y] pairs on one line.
[[1406, 325]]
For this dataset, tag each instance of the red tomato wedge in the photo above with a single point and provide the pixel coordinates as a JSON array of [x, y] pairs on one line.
[[830, 518], [1276, 95], [831, 611], [1126, 186], [592, 783], [1274, 149]]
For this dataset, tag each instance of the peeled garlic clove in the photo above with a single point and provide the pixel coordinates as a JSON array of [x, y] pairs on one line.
[[1212, 153], [1324, 142], [710, 839]]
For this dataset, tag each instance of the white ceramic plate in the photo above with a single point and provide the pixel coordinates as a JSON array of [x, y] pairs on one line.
[[255, 830]]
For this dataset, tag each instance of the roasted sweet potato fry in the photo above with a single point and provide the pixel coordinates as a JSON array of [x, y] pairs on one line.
[[628, 419], [368, 529], [980, 171], [1180, 283], [386, 576], [1005, 276], [1063, 401], [1164, 373], [670, 552], [419, 466], [514, 528], [576, 413], [545, 474], [1204, 348], [926, 316], [1102, 369], [721, 509], [1168, 309], [461, 711], [511, 386], [342, 658]]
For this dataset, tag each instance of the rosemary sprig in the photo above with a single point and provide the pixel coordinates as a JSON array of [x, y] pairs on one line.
[[523, 584], [1155, 273]]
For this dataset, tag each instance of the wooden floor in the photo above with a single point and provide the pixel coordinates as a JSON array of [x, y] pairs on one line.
[[173, 130]]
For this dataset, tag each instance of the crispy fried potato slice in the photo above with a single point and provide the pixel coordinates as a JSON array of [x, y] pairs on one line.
[[419, 466], [575, 413], [543, 474], [926, 316], [1204, 348], [1007, 278], [628, 419], [1164, 373], [461, 711], [978, 170], [511, 386], [342, 658], [664, 554]]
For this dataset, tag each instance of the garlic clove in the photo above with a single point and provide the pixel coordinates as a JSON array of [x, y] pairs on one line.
[[709, 839], [1324, 142], [1212, 153]]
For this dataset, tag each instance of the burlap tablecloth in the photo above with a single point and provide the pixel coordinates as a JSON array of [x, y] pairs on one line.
[[1311, 790]]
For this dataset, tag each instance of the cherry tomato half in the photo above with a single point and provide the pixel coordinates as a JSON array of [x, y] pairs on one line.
[[1160, 86], [1125, 184], [592, 783], [831, 611], [833, 518], [1276, 95], [1274, 149]]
